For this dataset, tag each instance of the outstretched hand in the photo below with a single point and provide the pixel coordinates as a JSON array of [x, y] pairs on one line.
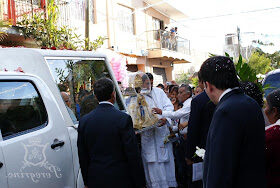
[[157, 111], [162, 122], [181, 126]]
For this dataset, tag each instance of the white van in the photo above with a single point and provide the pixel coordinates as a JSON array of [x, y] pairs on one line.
[[38, 139]]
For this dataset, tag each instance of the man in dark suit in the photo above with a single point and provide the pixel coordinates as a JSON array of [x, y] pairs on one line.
[[107, 147], [202, 109], [235, 143]]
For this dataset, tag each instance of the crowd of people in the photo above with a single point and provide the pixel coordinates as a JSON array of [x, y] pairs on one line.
[[84, 102], [228, 118], [190, 108]]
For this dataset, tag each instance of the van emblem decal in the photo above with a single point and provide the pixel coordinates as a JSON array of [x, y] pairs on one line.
[[35, 158]]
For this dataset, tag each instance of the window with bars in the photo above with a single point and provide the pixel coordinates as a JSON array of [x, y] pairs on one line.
[[29, 2], [13, 10], [125, 19], [76, 9]]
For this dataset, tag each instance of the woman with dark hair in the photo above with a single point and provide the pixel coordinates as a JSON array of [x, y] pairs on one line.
[[272, 139], [252, 90], [197, 91], [174, 97], [169, 91], [161, 86]]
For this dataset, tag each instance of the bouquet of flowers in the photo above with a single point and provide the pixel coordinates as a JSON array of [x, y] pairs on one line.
[[200, 152], [198, 167]]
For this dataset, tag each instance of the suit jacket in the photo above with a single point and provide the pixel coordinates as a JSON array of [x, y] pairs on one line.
[[108, 151], [202, 110], [235, 144]]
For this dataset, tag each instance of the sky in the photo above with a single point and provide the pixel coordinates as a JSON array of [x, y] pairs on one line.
[[208, 34]]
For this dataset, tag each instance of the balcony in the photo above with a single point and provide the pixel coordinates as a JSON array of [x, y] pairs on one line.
[[134, 45], [69, 11], [167, 45]]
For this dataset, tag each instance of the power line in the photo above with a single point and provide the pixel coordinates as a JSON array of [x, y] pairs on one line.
[[231, 14]]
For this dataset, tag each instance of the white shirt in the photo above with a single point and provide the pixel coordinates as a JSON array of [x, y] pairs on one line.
[[183, 114], [161, 100], [106, 102], [276, 123], [226, 91]]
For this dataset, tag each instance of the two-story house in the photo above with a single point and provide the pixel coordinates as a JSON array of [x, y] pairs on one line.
[[134, 28]]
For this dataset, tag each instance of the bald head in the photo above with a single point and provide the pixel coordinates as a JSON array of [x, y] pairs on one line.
[[66, 98]]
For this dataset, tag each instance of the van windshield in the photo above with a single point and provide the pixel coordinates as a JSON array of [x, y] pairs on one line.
[[272, 81], [75, 79]]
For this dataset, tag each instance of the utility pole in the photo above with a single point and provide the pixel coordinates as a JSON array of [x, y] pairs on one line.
[[238, 38], [87, 24], [108, 14]]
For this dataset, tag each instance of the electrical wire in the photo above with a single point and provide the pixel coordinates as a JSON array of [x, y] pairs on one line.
[[230, 14]]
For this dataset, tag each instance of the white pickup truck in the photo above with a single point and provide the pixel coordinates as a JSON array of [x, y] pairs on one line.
[[37, 135]]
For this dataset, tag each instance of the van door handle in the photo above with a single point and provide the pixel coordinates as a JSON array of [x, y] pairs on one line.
[[57, 143], [1, 164]]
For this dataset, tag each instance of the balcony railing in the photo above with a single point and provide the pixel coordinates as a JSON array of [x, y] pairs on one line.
[[71, 12], [13, 10], [165, 40]]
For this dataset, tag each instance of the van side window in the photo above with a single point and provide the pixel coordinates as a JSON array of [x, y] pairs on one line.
[[21, 109], [75, 79]]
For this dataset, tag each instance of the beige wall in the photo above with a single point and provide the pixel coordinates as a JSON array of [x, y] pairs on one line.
[[106, 12], [169, 74], [141, 68], [161, 64], [99, 28], [197, 58], [153, 13], [122, 39], [141, 60]]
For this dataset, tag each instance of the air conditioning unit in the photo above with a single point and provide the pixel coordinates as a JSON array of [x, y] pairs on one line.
[[229, 40]]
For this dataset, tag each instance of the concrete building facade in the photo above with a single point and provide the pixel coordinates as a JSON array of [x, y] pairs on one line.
[[133, 28]]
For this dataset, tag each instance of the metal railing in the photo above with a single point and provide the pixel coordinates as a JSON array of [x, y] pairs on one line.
[[71, 12], [166, 40], [13, 10]]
